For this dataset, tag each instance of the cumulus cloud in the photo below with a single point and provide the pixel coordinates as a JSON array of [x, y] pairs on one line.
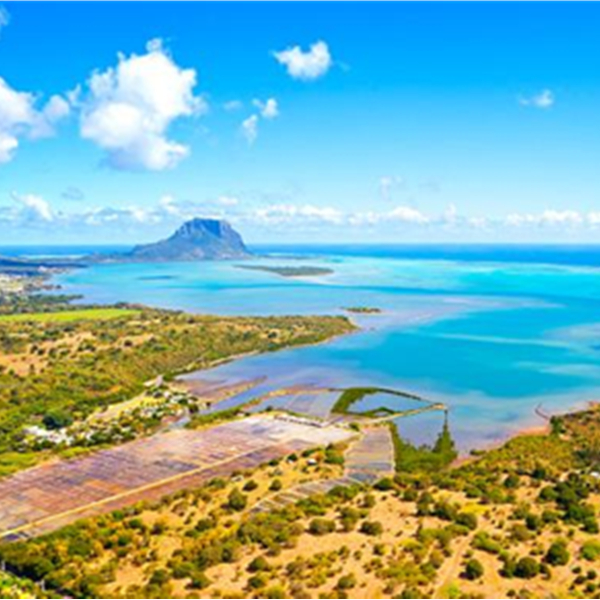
[[268, 109], [544, 100], [291, 213], [167, 212], [19, 116], [250, 129], [32, 209], [550, 218], [407, 214], [228, 201], [129, 108], [306, 65]]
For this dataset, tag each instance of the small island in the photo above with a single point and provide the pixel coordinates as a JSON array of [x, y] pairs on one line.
[[283, 271], [363, 310]]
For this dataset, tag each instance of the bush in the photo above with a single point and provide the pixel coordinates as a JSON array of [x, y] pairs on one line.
[[558, 554], [371, 528], [527, 568], [57, 420], [257, 581], [473, 570], [200, 581], [321, 527], [260, 563], [468, 520], [347, 582], [237, 501], [385, 485], [250, 486], [276, 486], [590, 551]]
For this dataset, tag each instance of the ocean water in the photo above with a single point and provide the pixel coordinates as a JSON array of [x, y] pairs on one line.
[[494, 332]]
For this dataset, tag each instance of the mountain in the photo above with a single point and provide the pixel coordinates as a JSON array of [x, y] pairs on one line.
[[198, 239]]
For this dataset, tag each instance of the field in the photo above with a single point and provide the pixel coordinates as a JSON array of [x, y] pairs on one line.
[[520, 521], [68, 316], [51, 496], [73, 367]]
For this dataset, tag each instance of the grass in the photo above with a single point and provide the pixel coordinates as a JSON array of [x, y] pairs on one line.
[[351, 396], [67, 316]]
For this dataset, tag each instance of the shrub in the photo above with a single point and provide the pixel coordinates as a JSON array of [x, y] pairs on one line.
[[527, 568], [200, 581], [237, 501], [260, 563], [468, 520], [250, 486], [276, 486], [473, 570], [590, 551], [558, 554], [321, 527], [347, 582], [372, 528]]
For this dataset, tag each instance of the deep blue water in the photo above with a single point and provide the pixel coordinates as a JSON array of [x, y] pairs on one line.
[[491, 331]]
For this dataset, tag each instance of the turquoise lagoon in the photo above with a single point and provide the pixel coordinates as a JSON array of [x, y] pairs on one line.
[[492, 339]]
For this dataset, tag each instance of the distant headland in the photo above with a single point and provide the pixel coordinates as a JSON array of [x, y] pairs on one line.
[[197, 239]]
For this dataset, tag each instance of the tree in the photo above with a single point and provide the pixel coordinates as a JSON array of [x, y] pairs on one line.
[[321, 527], [558, 554], [473, 570], [371, 528], [445, 446], [57, 420], [527, 568], [237, 501]]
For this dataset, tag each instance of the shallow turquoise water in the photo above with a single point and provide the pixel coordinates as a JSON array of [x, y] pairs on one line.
[[493, 340]]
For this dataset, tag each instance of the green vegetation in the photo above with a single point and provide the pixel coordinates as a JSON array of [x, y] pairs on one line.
[[518, 521], [12, 588], [68, 316], [64, 371], [351, 396], [410, 459], [521, 520], [302, 271], [363, 310]]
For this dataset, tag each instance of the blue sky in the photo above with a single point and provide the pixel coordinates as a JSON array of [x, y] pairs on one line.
[[329, 122]]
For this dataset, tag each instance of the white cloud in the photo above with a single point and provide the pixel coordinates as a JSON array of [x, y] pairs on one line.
[[233, 105], [291, 213], [32, 208], [308, 65], [19, 117], [228, 201], [550, 218], [407, 214], [450, 216], [544, 100], [250, 129], [8, 146], [268, 109], [33, 211], [130, 107]]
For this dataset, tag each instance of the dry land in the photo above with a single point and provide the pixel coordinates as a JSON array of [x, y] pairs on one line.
[[48, 497]]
